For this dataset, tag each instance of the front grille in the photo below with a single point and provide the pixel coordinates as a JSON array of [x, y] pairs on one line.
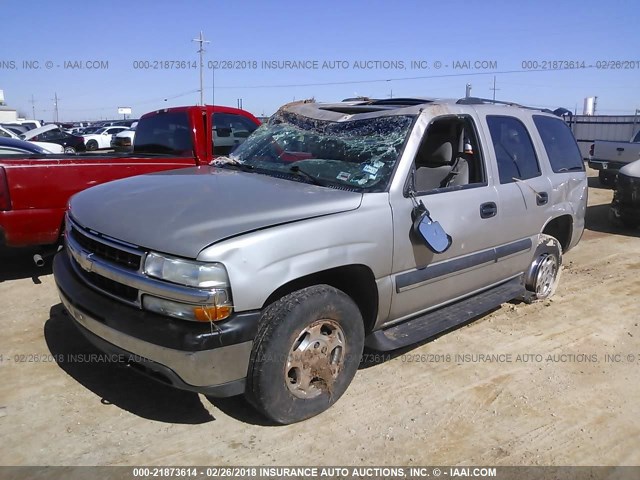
[[126, 259], [110, 286]]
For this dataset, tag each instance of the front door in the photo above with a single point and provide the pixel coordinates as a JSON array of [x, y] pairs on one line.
[[449, 176]]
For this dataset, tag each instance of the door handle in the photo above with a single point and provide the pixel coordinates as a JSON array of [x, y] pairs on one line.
[[542, 198], [620, 149], [488, 210]]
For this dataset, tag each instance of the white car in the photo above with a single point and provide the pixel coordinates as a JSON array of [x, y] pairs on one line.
[[123, 141], [101, 138], [51, 147]]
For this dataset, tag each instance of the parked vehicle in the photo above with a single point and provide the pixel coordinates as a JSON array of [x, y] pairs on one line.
[[625, 207], [49, 147], [53, 134], [334, 226], [609, 157], [123, 141], [15, 146], [34, 191], [15, 129], [102, 138], [28, 124]]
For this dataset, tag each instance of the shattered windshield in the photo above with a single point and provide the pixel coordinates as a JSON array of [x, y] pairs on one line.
[[359, 154]]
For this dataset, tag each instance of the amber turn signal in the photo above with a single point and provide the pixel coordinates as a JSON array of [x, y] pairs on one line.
[[213, 313]]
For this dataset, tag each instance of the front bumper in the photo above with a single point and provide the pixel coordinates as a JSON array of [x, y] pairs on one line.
[[626, 198], [607, 165], [202, 357]]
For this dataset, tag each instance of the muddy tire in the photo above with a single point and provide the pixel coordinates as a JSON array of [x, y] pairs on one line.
[[544, 272], [306, 353]]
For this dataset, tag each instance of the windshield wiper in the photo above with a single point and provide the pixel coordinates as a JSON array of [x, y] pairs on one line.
[[236, 166], [297, 170]]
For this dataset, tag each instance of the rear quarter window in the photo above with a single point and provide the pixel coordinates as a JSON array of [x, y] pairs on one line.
[[168, 133], [559, 143]]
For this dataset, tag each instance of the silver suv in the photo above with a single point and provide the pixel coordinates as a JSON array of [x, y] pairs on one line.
[[375, 223]]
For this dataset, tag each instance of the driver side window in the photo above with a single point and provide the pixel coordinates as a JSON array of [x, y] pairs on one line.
[[449, 156]]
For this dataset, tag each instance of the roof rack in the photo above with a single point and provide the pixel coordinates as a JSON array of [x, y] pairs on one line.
[[560, 112], [483, 101]]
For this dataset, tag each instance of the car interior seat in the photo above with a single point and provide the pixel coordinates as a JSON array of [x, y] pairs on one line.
[[433, 161]]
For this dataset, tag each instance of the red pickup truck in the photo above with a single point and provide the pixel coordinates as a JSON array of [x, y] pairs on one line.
[[34, 190]]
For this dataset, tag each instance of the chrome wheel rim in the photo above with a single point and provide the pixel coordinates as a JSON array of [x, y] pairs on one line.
[[546, 276], [315, 359]]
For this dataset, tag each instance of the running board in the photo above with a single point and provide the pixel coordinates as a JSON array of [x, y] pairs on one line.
[[432, 323]]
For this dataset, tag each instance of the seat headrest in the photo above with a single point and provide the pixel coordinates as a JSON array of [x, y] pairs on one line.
[[441, 155]]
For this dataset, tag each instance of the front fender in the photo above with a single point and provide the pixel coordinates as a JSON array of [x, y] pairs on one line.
[[260, 262]]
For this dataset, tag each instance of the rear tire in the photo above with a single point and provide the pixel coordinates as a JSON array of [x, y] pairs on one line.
[[306, 353], [630, 222], [606, 179], [69, 150], [544, 272]]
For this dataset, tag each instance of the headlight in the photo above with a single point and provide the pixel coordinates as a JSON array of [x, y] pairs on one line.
[[185, 272]]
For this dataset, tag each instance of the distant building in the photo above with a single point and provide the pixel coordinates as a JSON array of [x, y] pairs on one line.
[[590, 127], [8, 114]]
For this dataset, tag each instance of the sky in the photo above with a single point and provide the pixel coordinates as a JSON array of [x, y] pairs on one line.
[[98, 56]]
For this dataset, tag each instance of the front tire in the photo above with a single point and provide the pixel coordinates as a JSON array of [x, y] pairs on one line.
[[92, 145], [69, 150], [544, 272], [306, 353]]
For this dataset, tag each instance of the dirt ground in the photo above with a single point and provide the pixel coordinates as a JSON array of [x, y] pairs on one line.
[[564, 390]]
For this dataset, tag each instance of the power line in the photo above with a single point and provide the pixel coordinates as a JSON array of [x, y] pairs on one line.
[[348, 82], [397, 79]]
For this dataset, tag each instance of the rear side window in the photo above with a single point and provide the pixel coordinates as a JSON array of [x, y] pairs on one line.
[[168, 133], [562, 149], [229, 131], [515, 154]]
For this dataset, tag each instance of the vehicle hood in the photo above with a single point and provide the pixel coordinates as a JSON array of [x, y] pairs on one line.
[[632, 169], [52, 147], [181, 212], [37, 131]]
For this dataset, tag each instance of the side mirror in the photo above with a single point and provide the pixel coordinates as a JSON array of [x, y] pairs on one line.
[[430, 231]]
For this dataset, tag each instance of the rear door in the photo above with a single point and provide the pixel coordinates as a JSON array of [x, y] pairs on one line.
[[523, 185]]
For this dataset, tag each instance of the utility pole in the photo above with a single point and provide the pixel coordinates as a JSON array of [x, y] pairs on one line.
[[494, 89], [33, 107], [467, 92], [55, 106], [201, 41]]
